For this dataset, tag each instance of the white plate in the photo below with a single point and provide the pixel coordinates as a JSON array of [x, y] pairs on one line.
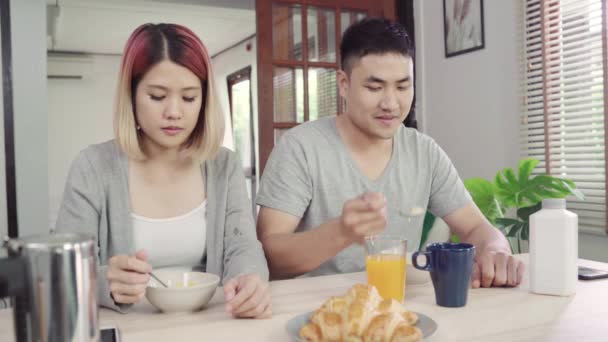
[[425, 324]]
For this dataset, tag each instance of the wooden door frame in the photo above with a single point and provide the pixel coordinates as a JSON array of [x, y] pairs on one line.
[[266, 126]]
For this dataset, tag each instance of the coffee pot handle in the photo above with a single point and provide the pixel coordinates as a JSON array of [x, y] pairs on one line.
[[13, 282], [13, 276]]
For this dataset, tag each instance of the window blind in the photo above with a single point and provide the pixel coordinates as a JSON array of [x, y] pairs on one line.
[[564, 107]]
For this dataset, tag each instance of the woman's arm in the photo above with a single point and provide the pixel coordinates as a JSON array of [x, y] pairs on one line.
[[243, 251], [246, 288], [80, 212]]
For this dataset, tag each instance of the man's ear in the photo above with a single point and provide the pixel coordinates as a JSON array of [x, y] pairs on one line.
[[343, 82]]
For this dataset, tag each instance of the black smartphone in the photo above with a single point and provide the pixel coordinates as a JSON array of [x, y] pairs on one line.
[[586, 273], [110, 335]]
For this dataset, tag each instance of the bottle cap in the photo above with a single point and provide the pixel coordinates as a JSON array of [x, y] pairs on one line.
[[554, 203]]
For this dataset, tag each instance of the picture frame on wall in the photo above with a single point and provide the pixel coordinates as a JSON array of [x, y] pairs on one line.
[[463, 26]]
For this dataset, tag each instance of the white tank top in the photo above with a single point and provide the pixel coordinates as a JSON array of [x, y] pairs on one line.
[[174, 241]]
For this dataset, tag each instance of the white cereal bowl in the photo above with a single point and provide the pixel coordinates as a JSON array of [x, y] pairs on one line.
[[413, 275], [187, 290]]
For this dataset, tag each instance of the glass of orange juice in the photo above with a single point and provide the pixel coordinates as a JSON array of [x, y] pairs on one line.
[[385, 264]]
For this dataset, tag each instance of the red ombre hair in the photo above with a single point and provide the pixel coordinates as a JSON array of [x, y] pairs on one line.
[[147, 46]]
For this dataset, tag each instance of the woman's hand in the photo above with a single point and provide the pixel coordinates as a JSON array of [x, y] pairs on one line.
[[248, 296], [128, 277]]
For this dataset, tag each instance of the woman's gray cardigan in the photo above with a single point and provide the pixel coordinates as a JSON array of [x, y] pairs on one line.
[[96, 202]]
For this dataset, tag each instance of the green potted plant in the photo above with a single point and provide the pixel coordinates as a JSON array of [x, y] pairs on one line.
[[521, 192]]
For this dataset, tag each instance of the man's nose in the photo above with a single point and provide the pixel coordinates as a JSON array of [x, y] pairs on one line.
[[389, 101]]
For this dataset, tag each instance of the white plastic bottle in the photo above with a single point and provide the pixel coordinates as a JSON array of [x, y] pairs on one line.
[[553, 249]]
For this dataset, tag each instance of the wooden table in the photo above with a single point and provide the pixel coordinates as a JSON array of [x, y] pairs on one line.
[[495, 314]]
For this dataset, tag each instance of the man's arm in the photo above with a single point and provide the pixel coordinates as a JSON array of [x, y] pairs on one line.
[[494, 264], [291, 254]]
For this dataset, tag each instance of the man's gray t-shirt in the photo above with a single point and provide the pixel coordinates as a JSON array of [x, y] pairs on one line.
[[310, 174]]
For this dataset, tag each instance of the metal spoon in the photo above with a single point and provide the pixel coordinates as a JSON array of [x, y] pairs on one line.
[[413, 213], [158, 280]]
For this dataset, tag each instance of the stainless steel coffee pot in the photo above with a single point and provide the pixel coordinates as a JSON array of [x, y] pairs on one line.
[[51, 279]]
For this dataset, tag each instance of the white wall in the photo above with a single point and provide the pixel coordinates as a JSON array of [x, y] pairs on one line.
[[80, 114], [470, 103], [28, 39]]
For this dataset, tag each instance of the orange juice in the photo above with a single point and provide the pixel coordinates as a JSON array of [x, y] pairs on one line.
[[387, 273]]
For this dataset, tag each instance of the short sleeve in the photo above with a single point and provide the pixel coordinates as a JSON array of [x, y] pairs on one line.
[[447, 189], [286, 184]]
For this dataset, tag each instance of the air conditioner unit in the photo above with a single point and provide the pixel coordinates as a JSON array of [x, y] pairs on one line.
[[69, 66]]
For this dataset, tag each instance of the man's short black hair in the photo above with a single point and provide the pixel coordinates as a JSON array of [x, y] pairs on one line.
[[373, 36]]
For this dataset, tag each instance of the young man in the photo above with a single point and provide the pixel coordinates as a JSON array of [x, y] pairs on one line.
[[330, 183]]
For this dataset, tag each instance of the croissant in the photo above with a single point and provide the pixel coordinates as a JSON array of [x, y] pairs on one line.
[[361, 316]]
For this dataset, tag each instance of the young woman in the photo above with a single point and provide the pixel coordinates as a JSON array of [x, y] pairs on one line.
[[164, 192]]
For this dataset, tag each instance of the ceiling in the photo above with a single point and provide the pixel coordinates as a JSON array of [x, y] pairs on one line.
[[93, 26], [242, 4]]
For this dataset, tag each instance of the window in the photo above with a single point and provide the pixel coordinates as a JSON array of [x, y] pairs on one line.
[[241, 115], [565, 98]]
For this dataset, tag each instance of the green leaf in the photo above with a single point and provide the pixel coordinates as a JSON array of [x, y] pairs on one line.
[[503, 192], [482, 192], [573, 190], [509, 174], [516, 227], [427, 225], [551, 184], [531, 197], [525, 231], [525, 212], [505, 222], [526, 166], [500, 183], [523, 191], [526, 191], [545, 193], [454, 238]]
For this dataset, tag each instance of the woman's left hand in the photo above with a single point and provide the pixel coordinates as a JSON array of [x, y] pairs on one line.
[[248, 296]]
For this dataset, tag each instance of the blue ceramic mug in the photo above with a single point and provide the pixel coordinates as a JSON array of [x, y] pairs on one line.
[[451, 265]]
